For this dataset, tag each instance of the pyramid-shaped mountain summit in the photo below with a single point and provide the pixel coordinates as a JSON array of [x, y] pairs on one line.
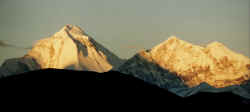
[[70, 48]]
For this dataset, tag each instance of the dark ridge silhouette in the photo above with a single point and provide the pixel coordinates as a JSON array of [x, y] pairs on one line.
[[224, 98], [111, 86]]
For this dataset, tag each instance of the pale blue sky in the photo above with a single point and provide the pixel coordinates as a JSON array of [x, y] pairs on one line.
[[126, 26]]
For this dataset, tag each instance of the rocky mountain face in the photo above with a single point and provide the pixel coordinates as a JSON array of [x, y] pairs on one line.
[[186, 69], [70, 48], [18, 65]]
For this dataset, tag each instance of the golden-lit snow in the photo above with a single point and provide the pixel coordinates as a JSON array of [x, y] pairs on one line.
[[72, 48], [214, 64]]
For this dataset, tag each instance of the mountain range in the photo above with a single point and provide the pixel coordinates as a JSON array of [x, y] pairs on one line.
[[186, 69], [174, 65]]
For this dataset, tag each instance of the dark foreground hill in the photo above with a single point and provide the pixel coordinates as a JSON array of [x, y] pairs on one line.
[[99, 87]]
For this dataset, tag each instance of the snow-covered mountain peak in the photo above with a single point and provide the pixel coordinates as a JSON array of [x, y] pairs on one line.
[[214, 64], [71, 31], [71, 48]]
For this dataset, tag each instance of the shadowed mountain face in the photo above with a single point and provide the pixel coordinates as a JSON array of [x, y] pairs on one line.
[[187, 69], [95, 87], [18, 66], [70, 48]]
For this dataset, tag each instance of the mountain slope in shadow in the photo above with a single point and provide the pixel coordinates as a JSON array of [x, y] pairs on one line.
[[92, 86]]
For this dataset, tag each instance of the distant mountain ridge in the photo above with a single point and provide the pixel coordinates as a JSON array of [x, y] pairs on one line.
[[186, 69], [70, 48]]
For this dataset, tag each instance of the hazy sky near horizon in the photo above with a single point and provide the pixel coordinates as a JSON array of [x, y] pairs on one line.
[[126, 26]]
